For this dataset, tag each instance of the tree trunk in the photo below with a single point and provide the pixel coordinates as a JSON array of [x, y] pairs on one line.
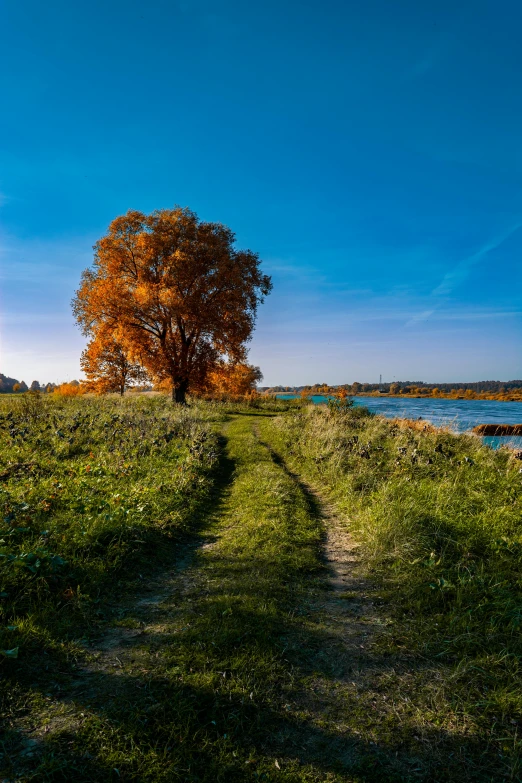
[[179, 391]]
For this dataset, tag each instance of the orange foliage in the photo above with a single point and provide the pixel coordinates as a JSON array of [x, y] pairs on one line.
[[108, 366], [234, 380], [163, 386], [419, 425], [176, 293], [70, 389]]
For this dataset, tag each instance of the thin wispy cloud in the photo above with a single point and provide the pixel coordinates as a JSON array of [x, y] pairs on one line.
[[32, 271], [35, 318], [384, 315], [456, 277], [460, 273], [38, 355], [419, 317], [442, 45], [37, 261]]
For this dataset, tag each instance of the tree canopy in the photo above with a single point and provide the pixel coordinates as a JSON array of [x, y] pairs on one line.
[[175, 292], [239, 379], [107, 366]]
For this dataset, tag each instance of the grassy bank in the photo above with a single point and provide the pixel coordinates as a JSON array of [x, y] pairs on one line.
[[439, 519], [91, 490]]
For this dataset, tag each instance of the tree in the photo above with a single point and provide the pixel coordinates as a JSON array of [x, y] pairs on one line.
[[72, 389], [394, 388], [175, 291], [7, 383], [35, 386], [108, 367], [234, 379], [17, 387], [23, 386]]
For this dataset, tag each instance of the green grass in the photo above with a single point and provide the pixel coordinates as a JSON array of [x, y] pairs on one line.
[[89, 490], [179, 625], [216, 687], [439, 519]]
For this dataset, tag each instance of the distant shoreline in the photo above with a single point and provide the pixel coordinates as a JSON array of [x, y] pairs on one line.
[[475, 398], [381, 395]]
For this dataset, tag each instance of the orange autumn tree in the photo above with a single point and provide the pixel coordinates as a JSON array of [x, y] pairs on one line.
[[72, 389], [235, 380], [108, 366], [177, 290]]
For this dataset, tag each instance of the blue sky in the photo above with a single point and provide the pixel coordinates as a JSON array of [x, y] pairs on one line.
[[370, 152]]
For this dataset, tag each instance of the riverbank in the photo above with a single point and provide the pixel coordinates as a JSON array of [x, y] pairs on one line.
[[456, 415], [512, 396], [437, 516], [498, 430]]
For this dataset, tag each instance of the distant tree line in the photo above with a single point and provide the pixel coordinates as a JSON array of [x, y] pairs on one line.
[[479, 386], [404, 387], [13, 386]]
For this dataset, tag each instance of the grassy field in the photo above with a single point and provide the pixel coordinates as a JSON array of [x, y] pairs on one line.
[[170, 613], [88, 489], [439, 520]]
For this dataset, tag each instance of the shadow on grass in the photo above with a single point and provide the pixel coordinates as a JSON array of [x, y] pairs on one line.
[[162, 726], [184, 705], [161, 551], [314, 505], [263, 414]]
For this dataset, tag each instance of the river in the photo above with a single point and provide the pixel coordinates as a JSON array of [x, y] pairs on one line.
[[459, 415]]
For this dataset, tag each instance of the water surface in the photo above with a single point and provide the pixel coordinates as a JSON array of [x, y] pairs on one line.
[[459, 415]]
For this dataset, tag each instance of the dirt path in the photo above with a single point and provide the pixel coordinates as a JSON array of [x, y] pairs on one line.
[[340, 678], [339, 696], [128, 650], [346, 598], [227, 643], [349, 609]]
